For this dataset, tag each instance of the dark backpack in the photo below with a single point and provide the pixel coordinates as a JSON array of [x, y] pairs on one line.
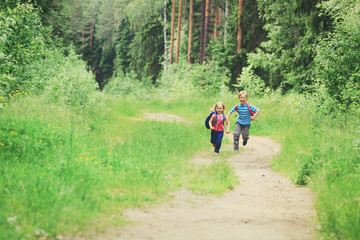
[[208, 119]]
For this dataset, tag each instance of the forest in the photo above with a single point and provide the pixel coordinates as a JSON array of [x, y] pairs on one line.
[[76, 74]]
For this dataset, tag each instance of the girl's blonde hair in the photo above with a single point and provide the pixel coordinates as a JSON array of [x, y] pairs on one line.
[[243, 93], [218, 104]]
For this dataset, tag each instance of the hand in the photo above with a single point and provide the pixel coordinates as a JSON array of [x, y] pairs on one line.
[[227, 131], [252, 118], [212, 128]]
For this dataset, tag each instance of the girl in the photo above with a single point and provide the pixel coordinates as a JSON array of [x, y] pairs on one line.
[[216, 124]]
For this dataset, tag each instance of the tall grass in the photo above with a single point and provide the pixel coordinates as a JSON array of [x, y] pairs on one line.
[[321, 150], [61, 170]]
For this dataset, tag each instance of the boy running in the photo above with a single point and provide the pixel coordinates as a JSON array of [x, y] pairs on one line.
[[246, 114]]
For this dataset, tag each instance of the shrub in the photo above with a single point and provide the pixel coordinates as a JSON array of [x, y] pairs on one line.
[[63, 79], [22, 40], [192, 80], [128, 85], [250, 82], [338, 54]]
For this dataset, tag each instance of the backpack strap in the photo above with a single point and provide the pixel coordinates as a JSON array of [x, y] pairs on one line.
[[215, 120], [251, 112]]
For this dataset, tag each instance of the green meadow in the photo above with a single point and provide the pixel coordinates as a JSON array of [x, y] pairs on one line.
[[63, 169]]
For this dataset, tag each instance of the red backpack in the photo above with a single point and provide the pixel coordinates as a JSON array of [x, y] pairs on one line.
[[248, 105]]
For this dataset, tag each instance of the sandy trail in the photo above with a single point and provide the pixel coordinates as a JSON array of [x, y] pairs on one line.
[[264, 206]]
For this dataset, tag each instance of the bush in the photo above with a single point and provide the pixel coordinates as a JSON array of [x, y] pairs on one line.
[[128, 85], [22, 40], [250, 82], [338, 54], [191, 80], [63, 79]]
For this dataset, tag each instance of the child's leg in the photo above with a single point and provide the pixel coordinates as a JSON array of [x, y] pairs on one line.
[[213, 137], [237, 133], [218, 141], [245, 133]]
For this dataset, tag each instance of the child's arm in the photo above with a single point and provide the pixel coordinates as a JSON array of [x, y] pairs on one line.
[[227, 125], [256, 113], [228, 115]]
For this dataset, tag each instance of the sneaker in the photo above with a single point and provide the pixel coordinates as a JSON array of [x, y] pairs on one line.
[[244, 142], [236, 149], [215, 153]]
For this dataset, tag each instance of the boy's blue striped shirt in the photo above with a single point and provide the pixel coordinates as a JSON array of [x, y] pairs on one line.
[[244, 117]]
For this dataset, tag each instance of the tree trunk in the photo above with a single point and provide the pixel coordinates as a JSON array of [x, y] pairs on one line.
[[178, 32], [190, 31], [172, 31], [83, 37], [202, 33], [149, 60], [226, 20], [239, 34], [216, 34], [207, 20], [91, 34], [165, 46]]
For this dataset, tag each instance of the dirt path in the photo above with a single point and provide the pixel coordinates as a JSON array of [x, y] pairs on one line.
[[264, 206]]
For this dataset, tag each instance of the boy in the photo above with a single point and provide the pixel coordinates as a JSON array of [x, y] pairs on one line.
[[246, 114]]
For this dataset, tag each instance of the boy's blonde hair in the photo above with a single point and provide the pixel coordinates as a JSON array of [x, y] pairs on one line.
[[243, 93], [218, 104]]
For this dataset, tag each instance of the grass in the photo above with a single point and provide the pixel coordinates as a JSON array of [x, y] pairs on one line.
[[61, 170], [321, 151]]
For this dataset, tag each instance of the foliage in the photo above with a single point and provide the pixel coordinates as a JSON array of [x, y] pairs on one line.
[[224, 50], [183, 79], [63, 80], [139, 9], [286, 58], [338, 55], [128, 85], [250, 82], [33, 64], [122, 47], [147, 48], [22, 41]]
